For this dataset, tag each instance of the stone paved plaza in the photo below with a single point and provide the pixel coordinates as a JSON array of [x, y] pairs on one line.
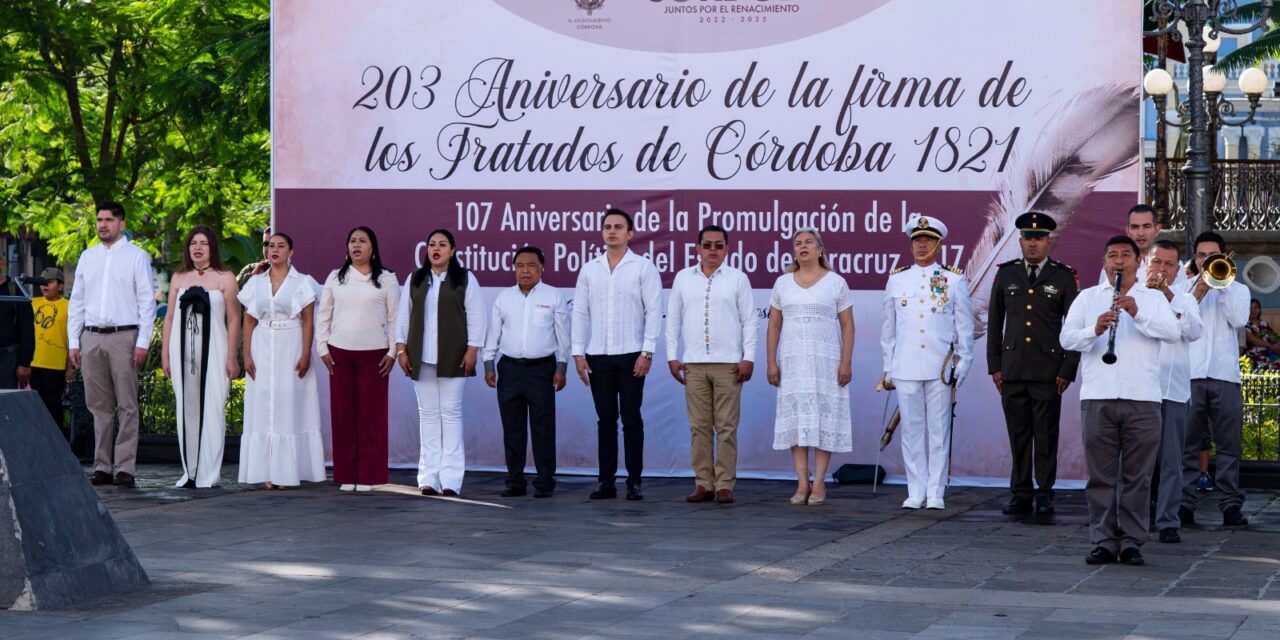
[[240, 562]]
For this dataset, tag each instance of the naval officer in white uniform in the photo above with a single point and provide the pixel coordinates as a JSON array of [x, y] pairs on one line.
[[927, 316]]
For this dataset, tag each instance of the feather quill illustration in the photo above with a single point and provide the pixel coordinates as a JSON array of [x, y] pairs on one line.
[[1089, 138]]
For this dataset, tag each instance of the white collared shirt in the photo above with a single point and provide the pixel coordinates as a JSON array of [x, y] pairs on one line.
[[528, 326], [357, 316], [715, 316], [1135, 375], [619, 309], [1175, 361], [112, 288], [1224, 312], [472, 304]]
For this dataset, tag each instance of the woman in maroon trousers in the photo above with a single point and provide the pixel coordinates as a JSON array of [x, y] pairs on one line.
[[354, 335]]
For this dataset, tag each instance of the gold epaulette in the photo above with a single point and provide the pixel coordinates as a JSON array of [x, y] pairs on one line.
[[899, 270], [956, 270]]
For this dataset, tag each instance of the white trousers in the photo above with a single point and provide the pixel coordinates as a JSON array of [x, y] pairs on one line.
[[926, 410], [441, 458]]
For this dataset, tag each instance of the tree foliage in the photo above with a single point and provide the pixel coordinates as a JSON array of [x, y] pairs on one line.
[[162, 105]]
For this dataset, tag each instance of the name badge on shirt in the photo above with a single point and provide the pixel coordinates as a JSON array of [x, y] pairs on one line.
[[1012, 289], [1050, 290]]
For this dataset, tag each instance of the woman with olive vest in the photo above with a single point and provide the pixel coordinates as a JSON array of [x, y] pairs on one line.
[[439, 330]]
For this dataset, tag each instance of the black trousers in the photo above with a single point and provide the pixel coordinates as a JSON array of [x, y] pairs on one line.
[[1031, 413], [9, 367], [50, 384], [617, 392], [527, 403]]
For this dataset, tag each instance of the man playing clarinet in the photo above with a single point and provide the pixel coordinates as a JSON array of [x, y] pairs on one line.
[[1118, 327]]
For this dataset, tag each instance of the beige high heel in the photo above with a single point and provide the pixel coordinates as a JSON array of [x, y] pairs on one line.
[[799, 499]]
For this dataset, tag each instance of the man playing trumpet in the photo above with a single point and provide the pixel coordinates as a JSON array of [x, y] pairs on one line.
[[1215, 384], [1119, 402], [1175, 386]]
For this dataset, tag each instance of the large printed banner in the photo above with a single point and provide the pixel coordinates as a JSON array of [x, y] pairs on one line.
[[514, 122]]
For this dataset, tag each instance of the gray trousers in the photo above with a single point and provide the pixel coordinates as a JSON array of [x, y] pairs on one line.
[[1121, 438], [111, 390], [1173, 439], [1217, 405]]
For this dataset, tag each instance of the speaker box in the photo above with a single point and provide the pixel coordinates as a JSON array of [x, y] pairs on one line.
[[58, 544], [859, 474]]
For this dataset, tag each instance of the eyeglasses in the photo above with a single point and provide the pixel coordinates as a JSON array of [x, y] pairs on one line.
[[713, 245]]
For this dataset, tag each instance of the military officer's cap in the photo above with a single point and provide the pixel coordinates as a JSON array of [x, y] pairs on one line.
[[1034, 224], [927, 226]]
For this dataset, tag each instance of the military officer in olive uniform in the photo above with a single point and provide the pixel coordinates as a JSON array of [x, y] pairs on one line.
[[926, 336], [1029, 300]]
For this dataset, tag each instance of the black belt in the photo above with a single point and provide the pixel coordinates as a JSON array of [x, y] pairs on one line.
[[105, 330], [529, 362]]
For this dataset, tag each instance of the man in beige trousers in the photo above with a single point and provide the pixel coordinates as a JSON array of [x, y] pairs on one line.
[[110, 319], [712, 310]]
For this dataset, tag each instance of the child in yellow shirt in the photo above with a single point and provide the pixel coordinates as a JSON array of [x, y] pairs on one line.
[[50, 368]]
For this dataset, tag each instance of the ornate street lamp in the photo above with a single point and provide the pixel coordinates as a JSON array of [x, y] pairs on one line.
[[1204, 20]]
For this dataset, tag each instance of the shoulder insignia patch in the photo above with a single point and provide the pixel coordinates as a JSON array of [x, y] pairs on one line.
[[956, 270]]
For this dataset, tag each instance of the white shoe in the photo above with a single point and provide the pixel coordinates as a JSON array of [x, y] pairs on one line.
[[936, 503], [347, 487], [367, 487], [913, 503]]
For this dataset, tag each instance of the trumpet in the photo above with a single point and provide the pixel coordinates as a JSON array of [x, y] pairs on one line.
[[1219, 272], [1155, 280]]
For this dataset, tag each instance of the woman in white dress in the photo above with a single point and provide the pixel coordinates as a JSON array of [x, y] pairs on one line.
[[281, 445], [202, 321], [810, 351]]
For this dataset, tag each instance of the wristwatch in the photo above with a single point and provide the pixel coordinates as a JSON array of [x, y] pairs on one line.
[[646, 354]]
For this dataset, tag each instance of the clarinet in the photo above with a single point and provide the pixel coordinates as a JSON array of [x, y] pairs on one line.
[[1110, 356]]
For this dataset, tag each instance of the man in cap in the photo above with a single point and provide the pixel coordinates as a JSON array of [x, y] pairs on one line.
[[928, 319], [50, 367], [1030, 297]]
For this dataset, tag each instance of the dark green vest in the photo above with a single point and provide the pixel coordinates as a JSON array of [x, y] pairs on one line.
[[451, 326]]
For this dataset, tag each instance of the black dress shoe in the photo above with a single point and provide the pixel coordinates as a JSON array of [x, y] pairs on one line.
[[513, 492], [1100, 555], [1044, 506], [605, 492], [1230, 518], [1132, 557], [100, 478], [126, 480], [1186, 516], [543, 493], [1170, 535], [633, 493], [190, 484], [1017, 506]]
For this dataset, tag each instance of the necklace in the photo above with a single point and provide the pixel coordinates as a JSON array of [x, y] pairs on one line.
[[200, 270]]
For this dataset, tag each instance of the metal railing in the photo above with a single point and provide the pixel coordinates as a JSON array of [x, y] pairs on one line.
[[1261, 408], [1245, 194]]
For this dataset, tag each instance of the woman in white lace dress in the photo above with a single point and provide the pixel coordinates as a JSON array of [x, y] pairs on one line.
[[810, 351]]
